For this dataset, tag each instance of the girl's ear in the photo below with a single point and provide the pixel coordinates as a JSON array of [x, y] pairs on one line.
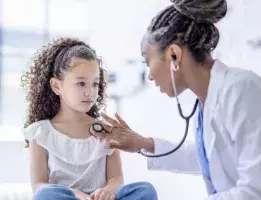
[[55, 85]]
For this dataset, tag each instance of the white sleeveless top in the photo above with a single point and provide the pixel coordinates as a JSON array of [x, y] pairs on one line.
[[74, 163]]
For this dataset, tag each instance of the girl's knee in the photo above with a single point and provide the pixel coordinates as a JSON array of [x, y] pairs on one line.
[[50, 191], [148, 189], [43, 192]]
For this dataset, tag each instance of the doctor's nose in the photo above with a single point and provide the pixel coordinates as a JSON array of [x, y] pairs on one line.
[[150, 78]]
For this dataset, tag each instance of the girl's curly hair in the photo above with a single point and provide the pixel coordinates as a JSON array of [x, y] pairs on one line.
[[53, 61]]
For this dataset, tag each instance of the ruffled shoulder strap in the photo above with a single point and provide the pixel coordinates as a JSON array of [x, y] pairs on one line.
[[36, 131]]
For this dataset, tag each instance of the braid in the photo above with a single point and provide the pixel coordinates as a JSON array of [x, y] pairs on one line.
[[200, 10], [189, 23], [162, 19]]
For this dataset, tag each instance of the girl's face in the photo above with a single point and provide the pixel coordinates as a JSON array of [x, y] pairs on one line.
[[79, 88]]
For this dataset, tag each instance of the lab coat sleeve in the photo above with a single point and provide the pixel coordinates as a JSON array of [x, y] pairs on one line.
[[242, 114], [183, 160]]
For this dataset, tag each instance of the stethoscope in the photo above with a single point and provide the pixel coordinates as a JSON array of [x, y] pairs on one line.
[[98, 127]]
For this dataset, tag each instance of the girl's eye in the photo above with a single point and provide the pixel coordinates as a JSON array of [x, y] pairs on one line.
[[81, 84], [96, 84]]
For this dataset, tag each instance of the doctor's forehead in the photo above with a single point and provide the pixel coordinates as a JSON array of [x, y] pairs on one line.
[[145, 45]]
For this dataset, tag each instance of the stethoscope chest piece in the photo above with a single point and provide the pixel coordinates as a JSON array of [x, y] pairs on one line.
[[98, 127]]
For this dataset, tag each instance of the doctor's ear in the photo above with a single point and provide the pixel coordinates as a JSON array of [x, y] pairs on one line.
[[175, 53]]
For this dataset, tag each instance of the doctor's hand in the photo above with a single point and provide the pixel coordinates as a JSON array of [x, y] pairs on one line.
[[122, 137]]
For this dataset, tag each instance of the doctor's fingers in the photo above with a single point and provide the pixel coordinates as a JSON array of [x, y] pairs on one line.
[[112, 121], [107, 128], [122, 122], [112, 144], [126, 141], [101, 135], [113, 133]]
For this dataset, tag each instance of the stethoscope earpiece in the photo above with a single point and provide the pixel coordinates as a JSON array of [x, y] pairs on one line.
[[174, 57], [173, 67]]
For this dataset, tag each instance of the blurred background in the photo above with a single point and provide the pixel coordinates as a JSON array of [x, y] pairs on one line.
[[114, 28]]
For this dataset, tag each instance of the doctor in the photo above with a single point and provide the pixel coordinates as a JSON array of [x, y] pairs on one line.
[[227, 151]]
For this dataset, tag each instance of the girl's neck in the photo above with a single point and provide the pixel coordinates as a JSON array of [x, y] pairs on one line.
[[69, 115]]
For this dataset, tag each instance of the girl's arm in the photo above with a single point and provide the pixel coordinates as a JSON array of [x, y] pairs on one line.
[[114, 171], [114, 178], [38, 165]]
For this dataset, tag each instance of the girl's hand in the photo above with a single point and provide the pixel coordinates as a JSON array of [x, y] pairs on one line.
[[103, 194], [81, 195]]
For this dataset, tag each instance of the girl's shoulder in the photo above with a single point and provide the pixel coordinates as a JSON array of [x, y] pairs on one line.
[[35, 129]]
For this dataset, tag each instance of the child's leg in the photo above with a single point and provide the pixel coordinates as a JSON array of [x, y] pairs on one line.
[[54, 192], [137, 191]]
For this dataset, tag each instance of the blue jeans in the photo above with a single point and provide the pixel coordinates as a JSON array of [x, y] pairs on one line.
[[134, 191]]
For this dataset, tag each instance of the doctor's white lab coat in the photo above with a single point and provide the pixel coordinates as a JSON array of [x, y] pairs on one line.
[[232, 136]]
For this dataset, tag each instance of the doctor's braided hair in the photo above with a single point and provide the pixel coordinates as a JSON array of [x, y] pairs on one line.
[[190, 23], [53, 61]]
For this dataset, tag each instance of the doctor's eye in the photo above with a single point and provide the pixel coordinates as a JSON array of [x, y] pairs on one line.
[[146, 62]]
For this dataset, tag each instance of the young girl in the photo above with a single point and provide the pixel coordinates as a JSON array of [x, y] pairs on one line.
[[66, 92]]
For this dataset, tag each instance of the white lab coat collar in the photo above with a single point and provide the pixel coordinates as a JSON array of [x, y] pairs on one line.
[[217, 75], [216, 78]]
